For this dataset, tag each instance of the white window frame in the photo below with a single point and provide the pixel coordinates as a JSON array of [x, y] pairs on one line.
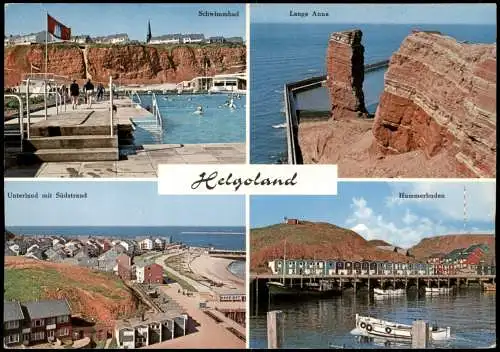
[[14, 324], [63, 331], [12, 338], [35, 322]]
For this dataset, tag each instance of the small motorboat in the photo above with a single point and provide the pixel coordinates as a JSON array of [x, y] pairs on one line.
[[368, 326], [437, 291], [380, 292], [281, 125], [489, 286]]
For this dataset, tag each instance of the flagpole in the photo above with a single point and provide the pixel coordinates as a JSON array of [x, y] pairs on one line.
[[46, 44]]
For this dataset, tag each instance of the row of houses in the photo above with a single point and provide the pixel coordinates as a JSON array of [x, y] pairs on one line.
[[119, 38], [33, 323], [341, 267], [472, 255]]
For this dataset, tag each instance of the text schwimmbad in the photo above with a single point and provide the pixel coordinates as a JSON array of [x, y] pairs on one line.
[[211, 181]]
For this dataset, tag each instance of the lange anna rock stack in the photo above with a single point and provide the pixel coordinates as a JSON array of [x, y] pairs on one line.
[[345, 69]]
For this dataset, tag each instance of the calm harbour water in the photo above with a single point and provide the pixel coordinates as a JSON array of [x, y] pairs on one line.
[[218, 237], [470, 313], [282, 53]]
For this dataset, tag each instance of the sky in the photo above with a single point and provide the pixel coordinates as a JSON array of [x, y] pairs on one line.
[[116, 203], [375, 211], [103, 19], [377, 13]]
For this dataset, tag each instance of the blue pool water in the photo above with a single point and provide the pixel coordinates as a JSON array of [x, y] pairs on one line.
[[282, 53], [218, 124]]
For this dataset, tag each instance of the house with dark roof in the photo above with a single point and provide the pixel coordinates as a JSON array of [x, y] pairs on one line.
[[36, 322], [13, 318], [47, 320]]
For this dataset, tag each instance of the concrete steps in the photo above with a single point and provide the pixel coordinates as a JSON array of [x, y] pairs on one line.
[[83, 130], [81, 154], [72, 142]]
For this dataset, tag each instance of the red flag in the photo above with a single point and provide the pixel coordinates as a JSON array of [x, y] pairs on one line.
[[57, 29]]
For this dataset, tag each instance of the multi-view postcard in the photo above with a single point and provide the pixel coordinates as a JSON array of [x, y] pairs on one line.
[[379, 90], [358, 270], [115, 265], [249, 176], [112, 99]]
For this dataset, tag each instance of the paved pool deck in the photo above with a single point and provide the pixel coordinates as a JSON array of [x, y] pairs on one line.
[[143, 162]]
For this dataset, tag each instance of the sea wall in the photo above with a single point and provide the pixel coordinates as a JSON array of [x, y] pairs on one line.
[[440, 94], [131, 64], [345, 71]]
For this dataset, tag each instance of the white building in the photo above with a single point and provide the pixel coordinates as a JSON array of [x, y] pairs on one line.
[[26, 39], [166, 39], [236, 82], [159, 244], [146, 244], [81, 39], [193, 38], [121, 38]]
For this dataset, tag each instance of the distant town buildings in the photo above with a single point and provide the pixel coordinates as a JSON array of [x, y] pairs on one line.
[[121, 38]]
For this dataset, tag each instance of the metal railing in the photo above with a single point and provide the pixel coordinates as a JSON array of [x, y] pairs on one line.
[[134, 93], [156, 112], [111, 93], [21, 115]]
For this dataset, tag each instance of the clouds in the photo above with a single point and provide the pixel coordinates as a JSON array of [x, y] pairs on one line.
[[480, 199], [404, 222]]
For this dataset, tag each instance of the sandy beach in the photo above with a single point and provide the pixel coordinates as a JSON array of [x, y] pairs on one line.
[[216, 269]]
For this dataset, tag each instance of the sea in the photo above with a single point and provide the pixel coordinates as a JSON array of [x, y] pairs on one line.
[[231, 238], [327, 323], [282, 53]]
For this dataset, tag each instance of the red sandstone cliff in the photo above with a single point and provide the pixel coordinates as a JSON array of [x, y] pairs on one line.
[[440, 96], [345, 71], [129, 63]]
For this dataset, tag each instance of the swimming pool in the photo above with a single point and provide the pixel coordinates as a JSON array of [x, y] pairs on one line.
[[217, 124]]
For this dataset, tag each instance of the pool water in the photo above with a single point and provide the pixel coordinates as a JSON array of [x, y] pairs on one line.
[[217, 124]]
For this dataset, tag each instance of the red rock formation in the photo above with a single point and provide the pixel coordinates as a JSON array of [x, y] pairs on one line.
[[345, 70], [129, 63], [440, 95]]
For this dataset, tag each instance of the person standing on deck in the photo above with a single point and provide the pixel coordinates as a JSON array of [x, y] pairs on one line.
[[74, 90], [89, 91]]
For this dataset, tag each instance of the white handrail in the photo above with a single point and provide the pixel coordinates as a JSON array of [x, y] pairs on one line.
[[156, 112], [28, 106], [111, 104], [21, 114]]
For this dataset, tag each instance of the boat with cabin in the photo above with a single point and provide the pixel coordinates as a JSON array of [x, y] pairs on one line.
[[369, 326], [389, 292], [437, 291], [489, 286]]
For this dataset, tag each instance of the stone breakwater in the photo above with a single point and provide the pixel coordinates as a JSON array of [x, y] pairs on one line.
[[131, 64], [440, 95], [345, 74]]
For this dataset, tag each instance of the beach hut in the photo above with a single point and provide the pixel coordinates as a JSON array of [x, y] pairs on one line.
[[373, 268], [330, 267], [348, 268], [388, 268], [356, 268], [365, 268], [341, 268]]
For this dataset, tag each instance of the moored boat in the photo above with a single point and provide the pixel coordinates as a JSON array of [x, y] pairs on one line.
[[380, 292], [369, 326], [437, 291], [489, 286]]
